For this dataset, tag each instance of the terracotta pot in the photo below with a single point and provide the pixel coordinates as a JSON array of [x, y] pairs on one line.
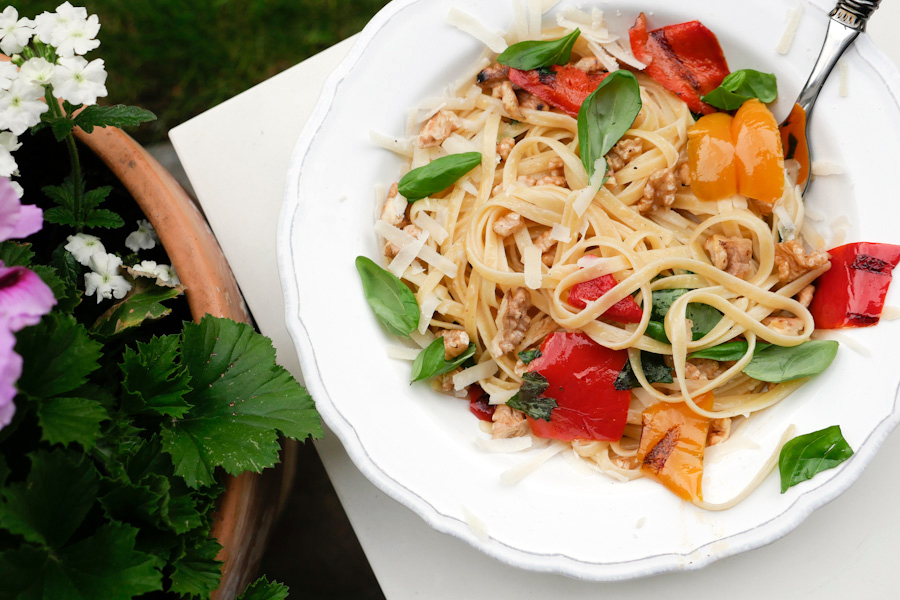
[[251, 502]]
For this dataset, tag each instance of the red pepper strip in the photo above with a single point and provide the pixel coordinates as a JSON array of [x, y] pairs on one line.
[[625, 310], [564, 87], [851, 293], [479, 404], [686, 59], [581, 373]]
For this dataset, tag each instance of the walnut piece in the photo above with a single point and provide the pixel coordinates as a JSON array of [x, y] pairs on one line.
[[792, 261], [505, 146], [508, 422], [589, 64], [805, 295], [623, 152], [659, 191], [394, 209], [493, 74], [455, 342], [730, 254], [508, 224], [784, 325], [512, 321], [438, 128], [702, 369], [507, 95], [390, 250], [529, 100], [719, 430]]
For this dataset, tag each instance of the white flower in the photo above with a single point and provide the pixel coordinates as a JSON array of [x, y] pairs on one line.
[[37, 70], [47, 25], [8, 74], [8, 144], [163, 273], [84, 246], [104, 278], [17, 188], [79, 81], [77, 37], [14, 32], [21, 106], [144, 238]]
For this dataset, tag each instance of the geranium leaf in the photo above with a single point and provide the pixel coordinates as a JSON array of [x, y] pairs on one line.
[[240, 399], [263, 589], [152, 373], [142, 302], [15, 254], [58, 356], [67, 420], [197, 574], [112, 116], [33, 508]]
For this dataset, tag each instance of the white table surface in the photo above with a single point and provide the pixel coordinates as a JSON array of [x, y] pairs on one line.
[[236, 156]]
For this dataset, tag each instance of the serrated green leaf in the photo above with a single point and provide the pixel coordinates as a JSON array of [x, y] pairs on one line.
[[16, 254], [61, 127], [58, 356], [34, 508], [183, 514], [118, 115], [64, 194], [103, 218], [240, 399], [93, 198], [21, 573], [153, 374], [263, 589], [197, 574], [136, 504], [142, 302], [67, 420], [59, 215]]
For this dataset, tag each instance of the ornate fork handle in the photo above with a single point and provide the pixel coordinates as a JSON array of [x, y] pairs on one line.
[[854, 13]]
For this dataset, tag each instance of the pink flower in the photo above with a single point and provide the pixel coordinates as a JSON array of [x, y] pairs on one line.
[[24, 298], [10, 370], [17, 220]]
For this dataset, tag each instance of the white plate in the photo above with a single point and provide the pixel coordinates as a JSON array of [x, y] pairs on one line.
[[419, 447]]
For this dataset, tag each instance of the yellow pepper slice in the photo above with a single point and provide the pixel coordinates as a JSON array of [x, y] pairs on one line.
[[759, 154], [711, 157]]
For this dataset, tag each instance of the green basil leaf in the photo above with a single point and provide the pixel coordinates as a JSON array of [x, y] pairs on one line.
[[437, 175], [392, 302], [606, 115], [654, 367], [526, 356], [532, 54], [777, 364], [728, 351], [703, 316], [430, 361], [657, 331], [529, 399], [806, 455], [740, 86]]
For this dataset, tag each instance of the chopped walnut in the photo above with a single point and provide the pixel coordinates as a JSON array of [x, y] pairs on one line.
[[508, 224], [589, 64], [505, 146], [623, 152], [556, 180], [730, 254], [659, 191], [527, 180], [512, 321], [508, 422], [438, 128], [444, 383], [545, 244], [507, 95], [702, 369], [784, 325], [390, 250], [492, 74], [805, 296], [529, 100], [792, 261], [455, 343], [556, 163], [719, 430], [394, 209], [684, 174]]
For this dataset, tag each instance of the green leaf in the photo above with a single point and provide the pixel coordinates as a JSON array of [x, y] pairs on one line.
[[100, 217], [532, 54], [136, 504], [437, 175], [154, 375], [606, 115], [16, 254], [393, 303], [67, 420], [64, 194], [740, 86], [61, 127], [197, 574], [703, 316], [60, 215], [22, 573], [806, 455], [58, 356], [95, 197], [240, 400], [54, 499], [657, 331], [67, 296], [728, 351], [144, 301], [777, 364], [430, 361], [4, 471], [529, 398], [654, 368], [118, 115], [263, 589], [526, 356]]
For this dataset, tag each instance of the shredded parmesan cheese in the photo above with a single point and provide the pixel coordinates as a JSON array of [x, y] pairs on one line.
[[424, 221], [474, 374], [584, 197], [475, 524], [560, 233], [395, 145], [401, 239], [532, 258], [502, 396], [427, 306], [504, 445], [821, 168], [422, 339], [521, 471], [890, 313], [402, 352], [787, 38], [469, 24]]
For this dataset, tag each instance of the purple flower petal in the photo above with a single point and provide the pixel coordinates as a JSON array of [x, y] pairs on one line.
[[10, 371], [16, 220], [24, 298], [31, 220]]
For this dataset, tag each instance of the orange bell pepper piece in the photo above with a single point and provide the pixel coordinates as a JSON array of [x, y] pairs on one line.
[[673, 440], [711, 157], [758, 153], [793, 140]]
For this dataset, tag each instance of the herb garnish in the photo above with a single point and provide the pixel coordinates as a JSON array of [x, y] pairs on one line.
[[526, 356], [740, 86], [806, 455], [529, 399], [393, 303], [430, 361], [654, 367], [605, 115], [534, 54], [728, 351], [777, 364], [437, 175]]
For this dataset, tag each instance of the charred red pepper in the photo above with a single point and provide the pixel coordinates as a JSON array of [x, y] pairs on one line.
[[479, 404], [625, 310], [564, 87], [686, 59], [851, 293], [580, 374]]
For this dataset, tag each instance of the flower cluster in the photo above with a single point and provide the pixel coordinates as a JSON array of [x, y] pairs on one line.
[[104, 278], [47, 63]]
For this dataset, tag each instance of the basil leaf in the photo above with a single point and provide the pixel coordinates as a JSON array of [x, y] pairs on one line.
[[526, 356], [654, 367], [430, 361], [437, 175], [740, 86], [703, 316], [392, 302], [533, 54], [728, 351], [777, 364], [529, 400], [657, 331], [606, 115], [806, 455]]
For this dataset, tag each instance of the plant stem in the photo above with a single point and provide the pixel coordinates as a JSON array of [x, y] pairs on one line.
[[77, 183]]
